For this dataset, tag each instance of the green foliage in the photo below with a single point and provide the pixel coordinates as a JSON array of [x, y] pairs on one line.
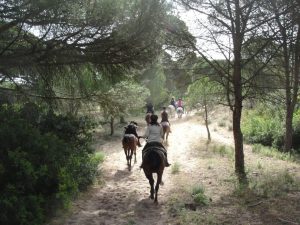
[[203, 92], [265, 126], [268, 184], [42, 165], [155, 80], [124, 97], [199, 195], [274, 185], [224, 150], [175, 168], [272, 152]]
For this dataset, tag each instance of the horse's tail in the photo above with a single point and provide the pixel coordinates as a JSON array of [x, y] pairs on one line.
[[126, 140], [152, 160]]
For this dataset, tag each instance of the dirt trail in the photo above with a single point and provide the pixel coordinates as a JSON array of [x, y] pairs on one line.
[[124, 198]]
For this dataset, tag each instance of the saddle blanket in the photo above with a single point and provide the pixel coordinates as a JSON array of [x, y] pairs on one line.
[[157, 149], [165, 123], [129, 135]]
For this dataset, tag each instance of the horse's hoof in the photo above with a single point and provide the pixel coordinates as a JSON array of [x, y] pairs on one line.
[[152, 197]]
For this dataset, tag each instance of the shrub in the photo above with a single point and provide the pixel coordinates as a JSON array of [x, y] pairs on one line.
[[175, 168], [44, 162], [199, 195], [263, 127]]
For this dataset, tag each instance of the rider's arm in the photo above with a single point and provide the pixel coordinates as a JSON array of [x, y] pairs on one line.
[[146, 134]]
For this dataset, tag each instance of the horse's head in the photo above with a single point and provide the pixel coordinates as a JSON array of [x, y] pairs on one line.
[[130, 128], [134, 123]]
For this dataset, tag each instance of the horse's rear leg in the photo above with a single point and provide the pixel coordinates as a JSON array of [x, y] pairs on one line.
[[135, 156], [159, 181], [126, 154], [130, 156], [151, 182]]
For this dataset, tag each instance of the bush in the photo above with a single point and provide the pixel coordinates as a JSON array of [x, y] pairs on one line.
[[44, 162], [199, 195], [265, 128]]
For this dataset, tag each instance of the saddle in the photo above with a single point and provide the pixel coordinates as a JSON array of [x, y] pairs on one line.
[[154, 147]]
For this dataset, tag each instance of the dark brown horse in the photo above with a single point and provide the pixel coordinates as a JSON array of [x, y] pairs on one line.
[[153, 162], [129, 143], [166, 130]]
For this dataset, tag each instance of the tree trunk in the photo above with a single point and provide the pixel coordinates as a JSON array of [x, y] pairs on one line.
[[291, 93], [206, 122], [288, 140], [112, 120], [238, 98], [122, 120], [238, 143]]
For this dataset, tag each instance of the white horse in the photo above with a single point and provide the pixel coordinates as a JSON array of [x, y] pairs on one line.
[[179, 112], [171, 111]]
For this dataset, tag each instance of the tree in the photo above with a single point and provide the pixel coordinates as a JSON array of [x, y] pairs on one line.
[[206, 93], [40, 38], [116, 104], [229, 27], [286, 25], [155, 80]]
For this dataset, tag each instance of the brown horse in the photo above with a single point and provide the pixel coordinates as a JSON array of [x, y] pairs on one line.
[[147, 118], [129, 143], [153, 162], [166, 130]]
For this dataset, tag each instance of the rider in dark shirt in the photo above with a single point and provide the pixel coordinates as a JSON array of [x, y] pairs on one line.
[[173, 102], [131, 129], [149, 108]]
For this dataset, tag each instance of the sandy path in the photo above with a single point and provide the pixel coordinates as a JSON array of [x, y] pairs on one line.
[[124, 197]]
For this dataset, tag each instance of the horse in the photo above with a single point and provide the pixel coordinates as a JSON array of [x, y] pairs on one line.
[[147, 118], [154, 161], [171, 110], [166, 130], [130, 142], [179, 112]]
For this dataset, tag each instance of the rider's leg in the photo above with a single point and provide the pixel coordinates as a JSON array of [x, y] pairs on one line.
[[167, 164]]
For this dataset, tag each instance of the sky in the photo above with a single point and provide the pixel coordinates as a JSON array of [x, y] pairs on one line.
[[193, 20]]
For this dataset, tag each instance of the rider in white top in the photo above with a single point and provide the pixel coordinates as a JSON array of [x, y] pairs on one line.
[[154, 133]]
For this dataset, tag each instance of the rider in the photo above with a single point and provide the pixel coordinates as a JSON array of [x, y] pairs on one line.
[[131, 129], [173, 103], [180, 103], [154, 135], [149, 108], [165, 117]]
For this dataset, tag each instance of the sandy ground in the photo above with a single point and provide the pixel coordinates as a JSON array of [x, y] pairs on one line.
[[124, 196]]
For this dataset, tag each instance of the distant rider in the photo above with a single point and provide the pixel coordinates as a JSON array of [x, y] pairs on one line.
[[149, 108], [180, 103], [165, 117], [173, 102]]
